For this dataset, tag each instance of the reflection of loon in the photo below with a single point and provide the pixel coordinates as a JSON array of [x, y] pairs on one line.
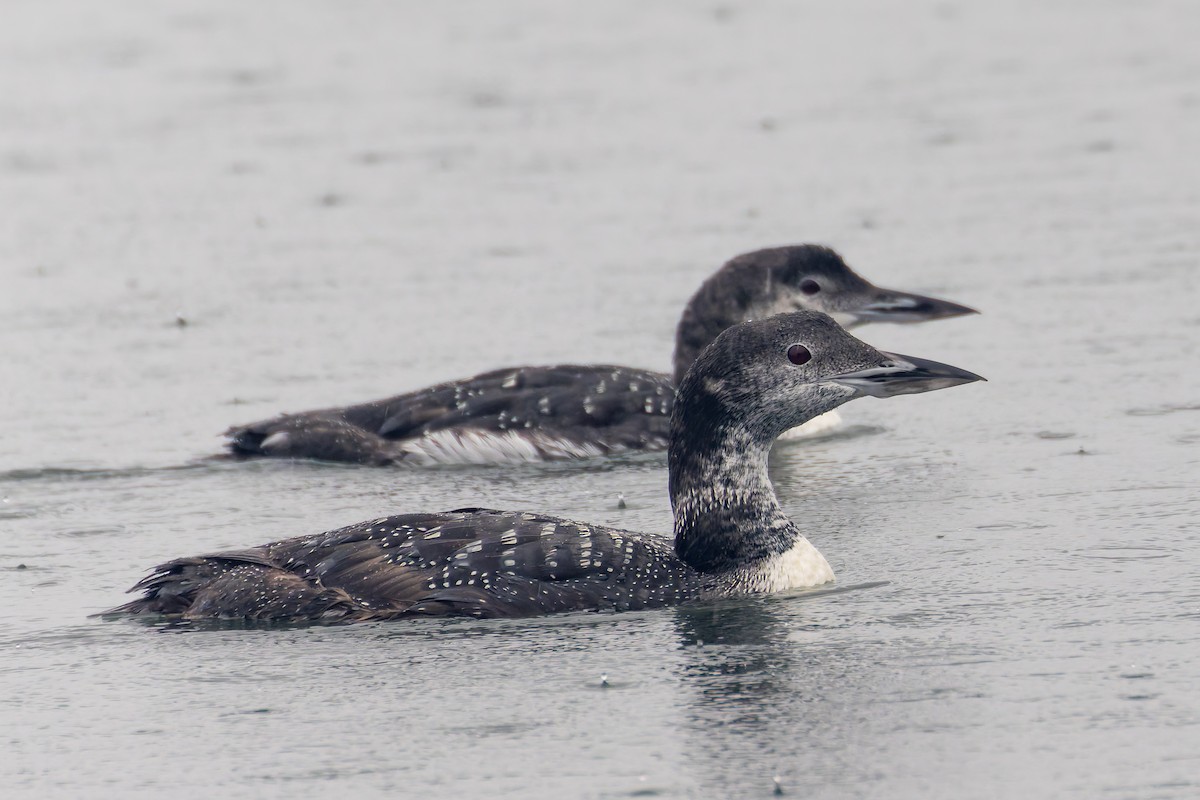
[[749, 685], [731, 537], [571, 411]]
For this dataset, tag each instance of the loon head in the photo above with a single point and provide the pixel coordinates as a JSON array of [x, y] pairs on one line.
[[776, 280], [769, 375], [810, 276]]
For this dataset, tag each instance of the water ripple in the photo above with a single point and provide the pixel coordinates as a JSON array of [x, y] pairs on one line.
[[1116, 552], [1158, 411]]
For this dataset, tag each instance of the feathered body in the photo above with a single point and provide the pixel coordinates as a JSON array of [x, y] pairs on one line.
[[509, 415], [468, 562]]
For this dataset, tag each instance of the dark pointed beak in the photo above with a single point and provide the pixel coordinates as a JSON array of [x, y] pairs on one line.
[[905, 375], [886, 305]]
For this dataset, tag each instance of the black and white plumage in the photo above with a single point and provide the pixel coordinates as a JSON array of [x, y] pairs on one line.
[[566, 411], [731, 536]]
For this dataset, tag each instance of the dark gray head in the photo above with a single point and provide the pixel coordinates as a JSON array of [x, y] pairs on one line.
[[780, 279], [755, 381], [770, 375], [817, 278]]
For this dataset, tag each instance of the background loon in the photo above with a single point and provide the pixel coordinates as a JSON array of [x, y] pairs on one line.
[[571, 411], [731, 536]]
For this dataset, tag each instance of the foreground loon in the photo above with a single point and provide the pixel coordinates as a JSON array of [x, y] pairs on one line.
[[731, 537], [570, 411]]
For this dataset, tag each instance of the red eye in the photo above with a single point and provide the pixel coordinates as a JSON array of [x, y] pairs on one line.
[[798, 354], [809, 286]]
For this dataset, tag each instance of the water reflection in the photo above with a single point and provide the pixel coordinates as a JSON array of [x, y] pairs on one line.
[[745, 716], [737, 657], [774, 691]]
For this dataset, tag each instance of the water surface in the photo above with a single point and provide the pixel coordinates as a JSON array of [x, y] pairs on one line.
[[217, 211]]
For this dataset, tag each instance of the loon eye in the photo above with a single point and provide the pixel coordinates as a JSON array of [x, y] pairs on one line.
[[799, 354], [809, 286]]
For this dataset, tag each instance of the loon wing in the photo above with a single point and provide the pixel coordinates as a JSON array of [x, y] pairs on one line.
[[517, 414], [477, 563]]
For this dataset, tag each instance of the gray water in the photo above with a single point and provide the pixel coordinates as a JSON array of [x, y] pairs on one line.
[[215, 211]]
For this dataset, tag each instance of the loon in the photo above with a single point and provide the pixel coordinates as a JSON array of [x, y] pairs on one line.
[[731, 536], [528, 414]]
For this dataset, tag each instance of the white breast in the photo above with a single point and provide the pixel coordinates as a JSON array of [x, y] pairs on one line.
[[798, 568], [493, 447]]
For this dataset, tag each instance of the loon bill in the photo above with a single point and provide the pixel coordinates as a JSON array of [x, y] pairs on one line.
[[542, 413], [731, 536]]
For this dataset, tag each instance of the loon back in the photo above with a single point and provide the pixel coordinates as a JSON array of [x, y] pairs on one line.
[[467, 562], [510, 415]]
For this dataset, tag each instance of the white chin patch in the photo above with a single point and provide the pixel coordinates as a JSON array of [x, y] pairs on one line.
[[498, 447], [817, 426]]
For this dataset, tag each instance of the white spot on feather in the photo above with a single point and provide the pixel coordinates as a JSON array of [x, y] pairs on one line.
[[277, 442]]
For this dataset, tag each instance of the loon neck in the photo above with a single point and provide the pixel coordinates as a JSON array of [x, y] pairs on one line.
[[729, 296], [726, 514], [704, 318]]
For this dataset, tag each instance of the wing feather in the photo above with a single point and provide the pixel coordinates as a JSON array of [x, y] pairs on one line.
[[480, 563], [516, 414]]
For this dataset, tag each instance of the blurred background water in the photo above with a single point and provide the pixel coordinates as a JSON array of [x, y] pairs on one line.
[[216, 211]]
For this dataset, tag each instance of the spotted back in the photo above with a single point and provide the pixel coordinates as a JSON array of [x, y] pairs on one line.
[[510, 415], [469, 562]]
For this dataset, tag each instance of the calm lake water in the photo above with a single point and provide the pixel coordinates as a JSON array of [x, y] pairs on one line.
[[216, 211]]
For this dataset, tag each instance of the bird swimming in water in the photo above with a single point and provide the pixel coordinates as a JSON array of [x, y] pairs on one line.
[[731, 536], [526, 414]]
